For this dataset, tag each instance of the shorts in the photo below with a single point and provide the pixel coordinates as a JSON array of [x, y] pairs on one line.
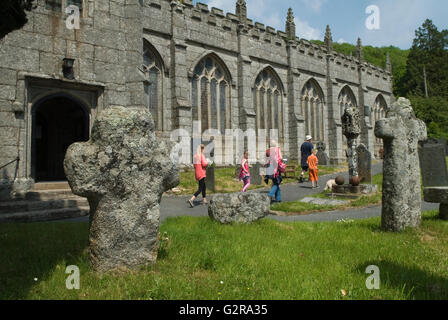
[[314, 175], [305, 168]]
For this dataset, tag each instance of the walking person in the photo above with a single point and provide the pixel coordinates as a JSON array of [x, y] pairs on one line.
[[306, 149], [200, 169], [274, 157], [244, 172], [314, 169]]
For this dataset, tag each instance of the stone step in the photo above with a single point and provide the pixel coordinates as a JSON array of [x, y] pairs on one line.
[[55, 194], [26, 206], [45, 186], [45, 215]]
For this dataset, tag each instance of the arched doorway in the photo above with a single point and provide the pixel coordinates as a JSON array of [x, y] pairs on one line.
[[57, 122]]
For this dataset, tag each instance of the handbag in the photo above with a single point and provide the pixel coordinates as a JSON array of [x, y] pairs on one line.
[[281, 164]]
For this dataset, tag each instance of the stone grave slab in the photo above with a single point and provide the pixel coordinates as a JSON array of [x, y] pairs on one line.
[[432, 158]]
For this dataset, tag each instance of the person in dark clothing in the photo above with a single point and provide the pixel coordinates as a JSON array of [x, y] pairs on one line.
[[306, 149]]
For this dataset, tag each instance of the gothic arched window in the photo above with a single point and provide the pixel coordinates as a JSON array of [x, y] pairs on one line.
[[378, 113], [210, 95], [268, 102], [346, 99], [78, 3], [154, 85], [313, 109], [60, 5]]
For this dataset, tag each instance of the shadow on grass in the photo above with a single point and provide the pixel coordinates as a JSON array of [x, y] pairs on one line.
[[31, 252], [413, 283], [430, 216]]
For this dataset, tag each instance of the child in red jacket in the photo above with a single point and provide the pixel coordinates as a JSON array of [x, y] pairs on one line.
[[245, 172], [200, 169]]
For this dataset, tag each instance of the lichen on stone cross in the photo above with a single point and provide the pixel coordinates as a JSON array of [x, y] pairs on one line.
[[351, 129], [321, 146], [123, 170], [401, 131]]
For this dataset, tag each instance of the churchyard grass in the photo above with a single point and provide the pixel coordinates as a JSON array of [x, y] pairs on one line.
[[297, 207], [201, 259], [326, 170]]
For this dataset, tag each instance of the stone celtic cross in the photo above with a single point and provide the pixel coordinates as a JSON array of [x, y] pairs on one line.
[[351, 129], [401, 131], [123, 170]]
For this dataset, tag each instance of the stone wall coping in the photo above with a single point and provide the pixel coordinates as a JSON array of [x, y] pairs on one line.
[[188, 3], [202, 6], [218, 12], [260, 26], [232, 17]]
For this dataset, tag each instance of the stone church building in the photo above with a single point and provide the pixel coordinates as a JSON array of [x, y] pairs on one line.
[[184, 62]]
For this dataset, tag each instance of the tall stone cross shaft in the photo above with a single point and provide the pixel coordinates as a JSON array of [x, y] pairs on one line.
[[123, 170], [351, 129], [401, 131]]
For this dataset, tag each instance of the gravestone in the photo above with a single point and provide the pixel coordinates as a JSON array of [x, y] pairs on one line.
[[444, 143], [433, 163], [255, 174], [438, 195], [322, 156], [364, 164], [210, 178], [123, 170], [401, 131]]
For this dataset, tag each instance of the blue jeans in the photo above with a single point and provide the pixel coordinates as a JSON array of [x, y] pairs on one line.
[[275, 192]]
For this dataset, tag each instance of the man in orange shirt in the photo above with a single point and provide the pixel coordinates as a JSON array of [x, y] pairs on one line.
[[314, 170]]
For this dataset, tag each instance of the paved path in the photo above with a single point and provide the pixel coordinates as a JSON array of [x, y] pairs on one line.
[[174, 206]]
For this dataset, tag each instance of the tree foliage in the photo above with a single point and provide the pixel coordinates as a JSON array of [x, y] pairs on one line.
[[429, 53], [378, 57], [434, 112]]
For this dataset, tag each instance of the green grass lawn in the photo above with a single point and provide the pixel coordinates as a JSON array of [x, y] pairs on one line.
[[201, 259], [297, 207]]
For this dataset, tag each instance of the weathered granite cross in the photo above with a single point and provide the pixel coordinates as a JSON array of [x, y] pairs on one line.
[[401, 131], [123, 170], [351, 129]]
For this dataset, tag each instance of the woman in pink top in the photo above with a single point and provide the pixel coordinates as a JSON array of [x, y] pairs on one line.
[[245, 173], [200, 167]]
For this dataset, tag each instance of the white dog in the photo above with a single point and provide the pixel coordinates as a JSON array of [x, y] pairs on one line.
[[330, 184]]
